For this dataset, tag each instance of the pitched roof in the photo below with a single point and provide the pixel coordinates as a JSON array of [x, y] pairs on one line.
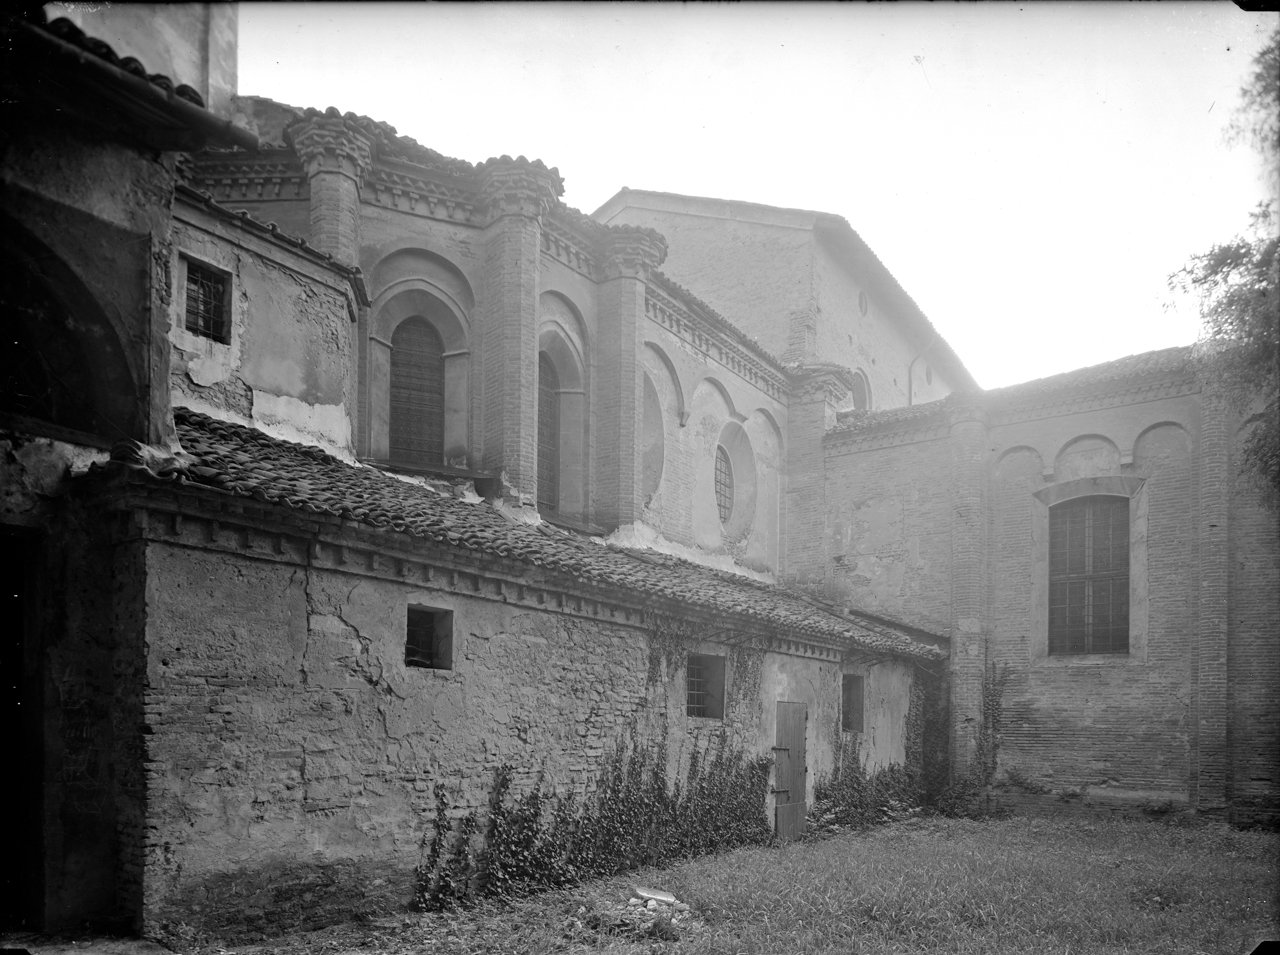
[[1099, 379], [835, 229], [59, 63], [248, 463]]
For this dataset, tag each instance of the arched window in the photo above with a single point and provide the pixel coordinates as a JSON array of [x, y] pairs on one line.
[[861, 393], [724, 484], [548, 434], [417, 395], [1089, 575]]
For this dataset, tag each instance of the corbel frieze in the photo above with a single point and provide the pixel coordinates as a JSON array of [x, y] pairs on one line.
[[332, 144], [516, 187], [248, 529], [631, 251], [711, 343], [404, 190], [274, 175], [560, 244]]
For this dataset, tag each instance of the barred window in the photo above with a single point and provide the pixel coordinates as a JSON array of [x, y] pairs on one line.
[[704, 686], [724, 484], [207, 301], [1089, 575], [416, 395]]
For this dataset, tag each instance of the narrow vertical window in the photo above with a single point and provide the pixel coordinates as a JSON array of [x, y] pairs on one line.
[[548, 434], [851, 703], [206, 303], [861, 393], [417, 395], [1089, 575], [724, 484]]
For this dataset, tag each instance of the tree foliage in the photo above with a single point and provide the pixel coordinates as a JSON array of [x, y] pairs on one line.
[[1237, 284]]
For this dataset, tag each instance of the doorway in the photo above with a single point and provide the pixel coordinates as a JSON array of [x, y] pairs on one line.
[[790, 770]]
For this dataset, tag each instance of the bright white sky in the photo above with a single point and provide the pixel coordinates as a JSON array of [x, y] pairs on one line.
[[1031, 173]]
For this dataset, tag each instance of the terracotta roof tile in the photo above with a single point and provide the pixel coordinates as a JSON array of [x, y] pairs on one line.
[[246, 462], [68, 32]]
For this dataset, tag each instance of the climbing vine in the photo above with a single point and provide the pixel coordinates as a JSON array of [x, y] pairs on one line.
[[669, 642], [634, 818], [961, 798]]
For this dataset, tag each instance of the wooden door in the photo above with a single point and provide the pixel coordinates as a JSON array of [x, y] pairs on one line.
[[790, 770]]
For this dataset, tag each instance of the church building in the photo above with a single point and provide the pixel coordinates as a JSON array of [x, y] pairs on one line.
[[335, 469]]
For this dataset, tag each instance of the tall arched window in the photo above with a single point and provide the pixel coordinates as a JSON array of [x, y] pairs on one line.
[[548, 434], [417, 395]]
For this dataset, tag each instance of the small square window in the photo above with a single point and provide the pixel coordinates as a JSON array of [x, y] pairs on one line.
[[704, 686], [207, 311], [851, 703], [428, 640]]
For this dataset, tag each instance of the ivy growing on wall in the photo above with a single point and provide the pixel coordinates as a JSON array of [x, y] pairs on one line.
[[669, 642], [634, 818], [962, 797]]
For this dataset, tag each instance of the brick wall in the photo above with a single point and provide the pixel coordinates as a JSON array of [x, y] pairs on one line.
[[291, 754]]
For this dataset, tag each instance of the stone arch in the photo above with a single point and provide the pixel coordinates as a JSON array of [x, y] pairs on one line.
[[65, 364], [1086, 455], [860, 394], [1018, 462], [416, 266], [710, 382], [660, 359], [767, 446], [563, 415]]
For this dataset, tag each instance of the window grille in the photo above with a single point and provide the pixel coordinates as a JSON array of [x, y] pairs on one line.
[[851, 703], [548, 434], [704, 686], [206, 312], [428, 640], [1089, 575], [417, 395], [724, 484]]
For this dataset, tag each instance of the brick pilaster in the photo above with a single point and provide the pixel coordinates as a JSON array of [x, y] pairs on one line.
[[514, 193], [628, 253], [1211, 755], [818, 391], [970, 623], [337, 155]]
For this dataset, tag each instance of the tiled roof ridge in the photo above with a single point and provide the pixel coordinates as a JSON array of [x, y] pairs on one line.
[[68, 32], [243, 461], [669, 285], [1158, 363], [271, 229], [392, 144]]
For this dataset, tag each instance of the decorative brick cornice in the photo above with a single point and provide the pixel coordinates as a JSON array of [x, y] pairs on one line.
[[715, 343], [183, 516], [332, 143], [269, 175], [516, 187], [833, 382], [632, 251]]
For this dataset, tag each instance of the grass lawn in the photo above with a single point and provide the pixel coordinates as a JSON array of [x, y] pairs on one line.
[[926, 885]]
